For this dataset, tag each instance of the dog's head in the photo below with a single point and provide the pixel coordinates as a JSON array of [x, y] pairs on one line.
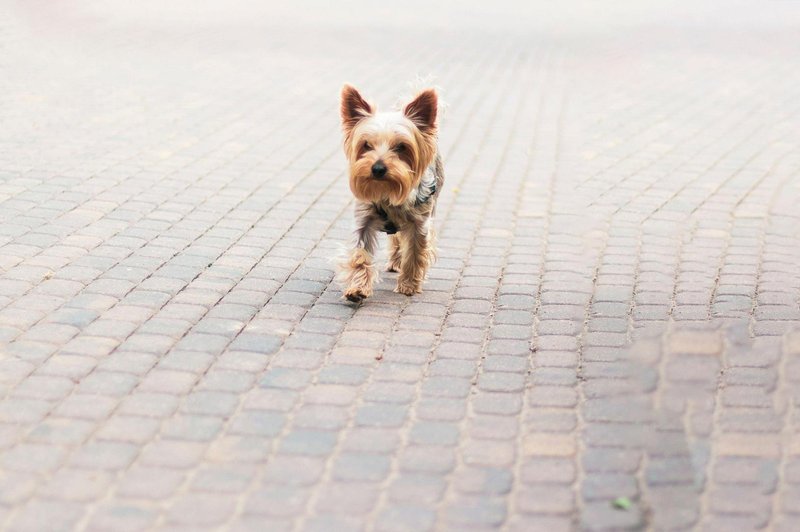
[[388, 152]]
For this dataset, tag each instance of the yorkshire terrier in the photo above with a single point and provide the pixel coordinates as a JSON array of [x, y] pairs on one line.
[[396, 175]]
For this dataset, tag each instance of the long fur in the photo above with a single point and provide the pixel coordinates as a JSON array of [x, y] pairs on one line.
[[405, 142]]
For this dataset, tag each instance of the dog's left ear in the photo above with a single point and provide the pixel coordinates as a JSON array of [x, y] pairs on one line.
[[422, 110]]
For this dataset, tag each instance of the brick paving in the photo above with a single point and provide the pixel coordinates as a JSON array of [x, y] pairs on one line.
[[615, 311]]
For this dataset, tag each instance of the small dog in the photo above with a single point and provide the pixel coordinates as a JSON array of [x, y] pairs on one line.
[[396, 175]]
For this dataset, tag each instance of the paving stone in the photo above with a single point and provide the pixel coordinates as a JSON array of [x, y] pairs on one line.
[[406, 517], [294, 470], [361, 467], [111, 383], [34, 457], [427, 459], [148, 404], [308, 442], [347, 498], [285, 378], [104, 455], [484, 480], [602, 515], [163, 381], [77, 485], [86, 406], [257, 423], [372, 439], [210, 403], [172, 454], [200, 509], [192, 428], [123, 517], [237, 448], [480, 511], [434, 433], [39, 515], [62, 430], [381, 415]]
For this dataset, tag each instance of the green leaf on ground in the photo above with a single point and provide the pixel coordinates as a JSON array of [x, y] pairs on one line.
[[621, 503]]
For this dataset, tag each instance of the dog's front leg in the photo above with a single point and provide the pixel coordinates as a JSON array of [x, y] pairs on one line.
[[393, 264], [416, 255], [359, 273]]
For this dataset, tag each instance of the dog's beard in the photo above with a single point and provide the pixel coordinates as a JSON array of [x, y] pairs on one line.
[[394, 187]]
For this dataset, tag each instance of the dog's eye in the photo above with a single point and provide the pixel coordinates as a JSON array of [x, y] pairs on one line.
[[400, 148], [367, 146]]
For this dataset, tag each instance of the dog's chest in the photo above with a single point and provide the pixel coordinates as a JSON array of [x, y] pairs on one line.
[[391, 217], [396, 219]]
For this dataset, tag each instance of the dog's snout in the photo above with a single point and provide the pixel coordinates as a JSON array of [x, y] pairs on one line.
[[378, 170]]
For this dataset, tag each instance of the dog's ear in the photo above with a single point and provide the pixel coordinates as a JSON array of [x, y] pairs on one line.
[[422, 110], [354, 107]]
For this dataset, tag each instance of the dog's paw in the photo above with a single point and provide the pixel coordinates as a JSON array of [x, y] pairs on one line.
[[408, 289], [356, 295]]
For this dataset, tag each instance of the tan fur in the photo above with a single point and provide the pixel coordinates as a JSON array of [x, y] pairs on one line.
[[403, 200], [393, 264], [416, 256], [360, 276]]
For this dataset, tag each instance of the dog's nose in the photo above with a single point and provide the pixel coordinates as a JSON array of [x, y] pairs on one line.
[[378, 170]]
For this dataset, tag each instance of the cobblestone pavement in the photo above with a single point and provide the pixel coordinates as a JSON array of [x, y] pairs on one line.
[[611, 316]]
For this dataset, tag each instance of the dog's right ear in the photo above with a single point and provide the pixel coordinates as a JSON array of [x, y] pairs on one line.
[[354, 107]]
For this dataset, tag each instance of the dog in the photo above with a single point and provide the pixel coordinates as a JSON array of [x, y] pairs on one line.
[[395, 175]]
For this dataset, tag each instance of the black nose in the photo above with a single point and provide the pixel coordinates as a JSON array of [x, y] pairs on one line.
[[378, 170]]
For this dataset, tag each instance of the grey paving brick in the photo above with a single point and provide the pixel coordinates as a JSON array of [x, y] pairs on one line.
[[406, 517], [321, 416], [34, 457], [201, 509], [285, 378], [192, 427], [484, 480], [277, 501], [473, 510], [149, 404], [446, 387], [40, 514], [361, 467], [226, 380], [61, 430], [186, 361], [257, 423], [347, 499], [211, 403], [172, 454], [308, 442], [163, 381], [126, 362], [381, 415], [294, 470], [77, 485], [372, 439], [104, 455], [427, 459], [259, 343], [237, 448], [122, 516]]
